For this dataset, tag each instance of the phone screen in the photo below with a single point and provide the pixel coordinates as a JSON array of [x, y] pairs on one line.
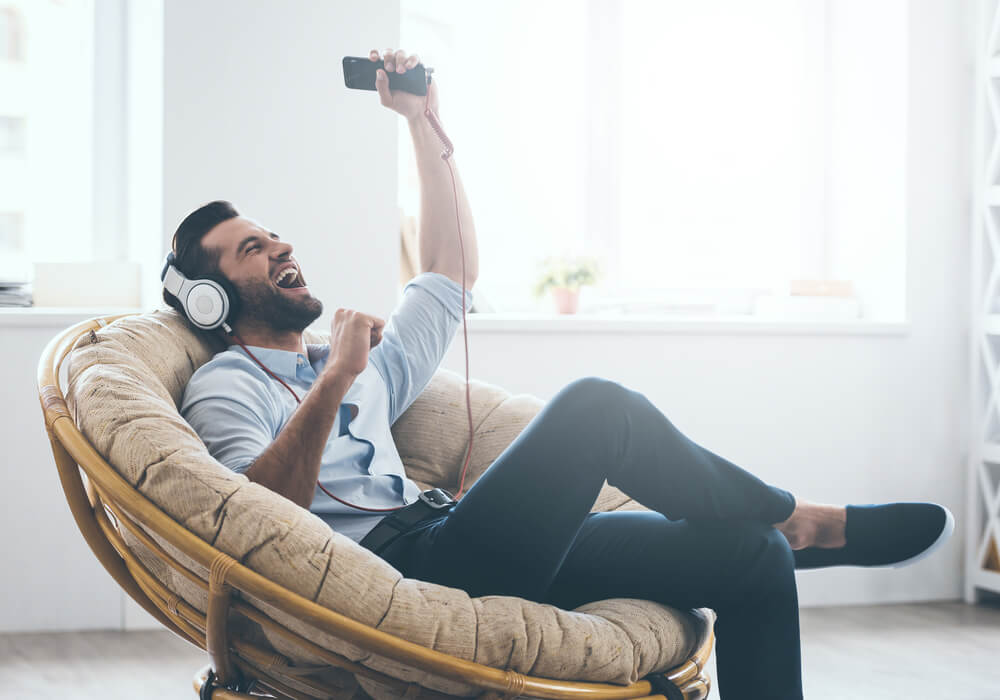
[[359, 74]]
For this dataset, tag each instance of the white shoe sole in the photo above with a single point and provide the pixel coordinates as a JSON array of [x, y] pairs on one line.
[[949, 527]]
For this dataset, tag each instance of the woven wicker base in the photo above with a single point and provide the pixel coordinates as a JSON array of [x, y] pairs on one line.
[[107, 509]]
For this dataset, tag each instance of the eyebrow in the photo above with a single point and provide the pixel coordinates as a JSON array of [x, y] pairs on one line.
[[254, 237]]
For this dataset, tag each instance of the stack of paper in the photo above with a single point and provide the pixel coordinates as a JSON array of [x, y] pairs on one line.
[[15, 281], [15, 294], [831, 300], [808, 308]]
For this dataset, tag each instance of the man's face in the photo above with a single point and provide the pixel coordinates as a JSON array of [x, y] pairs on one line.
[[261, 267]]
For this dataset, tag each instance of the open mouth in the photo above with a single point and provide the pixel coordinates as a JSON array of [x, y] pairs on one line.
[[289, 278]]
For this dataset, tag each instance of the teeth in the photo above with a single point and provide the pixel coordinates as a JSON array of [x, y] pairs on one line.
[[285, 273]]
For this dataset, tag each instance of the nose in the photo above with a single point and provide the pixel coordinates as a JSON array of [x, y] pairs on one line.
[[282, 249]]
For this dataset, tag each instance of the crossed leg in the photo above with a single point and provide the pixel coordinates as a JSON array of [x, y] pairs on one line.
[[742, 569], [525, 529]]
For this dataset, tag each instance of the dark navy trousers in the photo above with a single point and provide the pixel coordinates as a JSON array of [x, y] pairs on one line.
[[525, 529]]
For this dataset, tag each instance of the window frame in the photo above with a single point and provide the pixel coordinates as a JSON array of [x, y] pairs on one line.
[[110, 171], [127, 170]]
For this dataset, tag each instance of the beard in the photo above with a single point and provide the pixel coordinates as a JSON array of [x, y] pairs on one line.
[[263, 305]]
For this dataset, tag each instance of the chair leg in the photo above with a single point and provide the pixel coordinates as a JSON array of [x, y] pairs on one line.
[[206, 688]]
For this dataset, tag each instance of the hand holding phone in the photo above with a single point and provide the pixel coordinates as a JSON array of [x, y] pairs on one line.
[[359, 74]]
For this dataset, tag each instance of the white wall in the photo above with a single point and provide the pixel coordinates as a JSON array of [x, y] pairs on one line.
[[50, 578], [255, 111]]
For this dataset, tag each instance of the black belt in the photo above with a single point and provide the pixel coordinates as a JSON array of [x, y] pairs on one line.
[[430, 504]]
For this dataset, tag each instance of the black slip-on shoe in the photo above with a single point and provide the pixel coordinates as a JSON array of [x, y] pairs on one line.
[[890, 534]]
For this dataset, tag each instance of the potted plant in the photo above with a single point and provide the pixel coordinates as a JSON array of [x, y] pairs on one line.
[[564, 275]]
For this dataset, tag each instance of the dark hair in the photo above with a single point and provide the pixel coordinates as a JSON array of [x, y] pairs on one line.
[[190, 256]]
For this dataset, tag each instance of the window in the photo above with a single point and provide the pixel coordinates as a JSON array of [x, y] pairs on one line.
[[11, 34], [709, 154], [11, 233], [53, 177], [717, 155], [11, 136], [78, 102]]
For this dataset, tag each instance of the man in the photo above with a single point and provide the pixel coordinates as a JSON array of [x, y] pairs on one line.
[[288, 415]]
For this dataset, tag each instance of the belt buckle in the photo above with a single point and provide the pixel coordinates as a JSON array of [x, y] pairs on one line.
[[437, 499]]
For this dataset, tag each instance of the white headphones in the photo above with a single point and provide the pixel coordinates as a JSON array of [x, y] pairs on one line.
[[207, 302]]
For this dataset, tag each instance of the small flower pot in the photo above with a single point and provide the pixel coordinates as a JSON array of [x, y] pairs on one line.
[[567, 300]]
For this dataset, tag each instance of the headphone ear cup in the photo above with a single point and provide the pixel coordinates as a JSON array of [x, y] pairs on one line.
[[230, 289], [206, 304]]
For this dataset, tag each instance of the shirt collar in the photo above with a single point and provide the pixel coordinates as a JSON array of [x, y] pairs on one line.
[[284, 363]]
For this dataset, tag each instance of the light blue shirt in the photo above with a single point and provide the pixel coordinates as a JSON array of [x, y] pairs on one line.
[[238, 410]]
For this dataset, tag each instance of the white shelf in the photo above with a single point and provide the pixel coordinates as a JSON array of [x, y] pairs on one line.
[[982, 521], [993, 196], [984, 578], [990, 324], [990, 452]]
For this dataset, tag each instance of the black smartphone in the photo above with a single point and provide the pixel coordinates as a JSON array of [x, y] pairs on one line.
[[359, 73]]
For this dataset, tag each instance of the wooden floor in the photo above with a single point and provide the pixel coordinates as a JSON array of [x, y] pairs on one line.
[[937, 651]]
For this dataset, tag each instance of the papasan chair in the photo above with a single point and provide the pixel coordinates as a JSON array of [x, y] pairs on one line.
[[284, 606]]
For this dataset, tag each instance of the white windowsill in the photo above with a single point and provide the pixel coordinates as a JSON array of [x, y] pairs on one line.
[[60, 317], [642, 323]]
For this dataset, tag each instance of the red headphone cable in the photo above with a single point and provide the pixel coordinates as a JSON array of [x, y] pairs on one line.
[[448, 150], [299, 401], [445, 155]]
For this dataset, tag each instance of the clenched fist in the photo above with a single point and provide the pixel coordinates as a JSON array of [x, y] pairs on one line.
[[352, 335]]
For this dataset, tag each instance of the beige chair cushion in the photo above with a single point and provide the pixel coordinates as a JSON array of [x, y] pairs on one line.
[[125, 383]]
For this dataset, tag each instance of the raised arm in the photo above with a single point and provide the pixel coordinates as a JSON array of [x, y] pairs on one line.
[[439, 246]]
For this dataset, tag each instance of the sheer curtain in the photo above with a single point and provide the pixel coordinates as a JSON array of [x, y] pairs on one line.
[[718, 159], [683, 143]]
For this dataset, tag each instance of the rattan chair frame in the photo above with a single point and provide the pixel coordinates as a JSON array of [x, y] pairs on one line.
[[104, 504]]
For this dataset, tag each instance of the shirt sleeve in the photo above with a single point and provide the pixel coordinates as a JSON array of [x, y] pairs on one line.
[[416, 337], [235, 425]]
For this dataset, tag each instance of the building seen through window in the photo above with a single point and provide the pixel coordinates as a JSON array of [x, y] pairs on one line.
[[11, 34], [46, 130]]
